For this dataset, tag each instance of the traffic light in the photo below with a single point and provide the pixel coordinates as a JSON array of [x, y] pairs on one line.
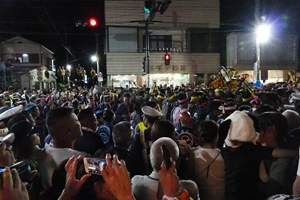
[[144, 65], [167, 59], [164, 5], [148, 6], [93, 22], [150, 9]]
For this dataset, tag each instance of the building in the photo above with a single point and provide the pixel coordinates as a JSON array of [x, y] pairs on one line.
[[279, 55], [26, 64], [186, 30]]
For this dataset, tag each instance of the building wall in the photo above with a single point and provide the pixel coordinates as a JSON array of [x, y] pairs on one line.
[[179, 17], [131, 63], [19, 45], [180, 14], [26, 73], [279, 53]]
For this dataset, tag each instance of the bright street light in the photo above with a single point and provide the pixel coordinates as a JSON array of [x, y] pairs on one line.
[[94, 58], [263, 33], [69, 67]]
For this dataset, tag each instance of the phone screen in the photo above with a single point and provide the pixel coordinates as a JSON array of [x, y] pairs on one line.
[[1, 169], [93, 165]]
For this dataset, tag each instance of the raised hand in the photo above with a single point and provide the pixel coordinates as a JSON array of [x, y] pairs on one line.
[[117, 178], [73, 185], [12, 187]]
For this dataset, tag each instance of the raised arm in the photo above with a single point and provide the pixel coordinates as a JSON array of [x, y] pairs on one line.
[[117, 178]]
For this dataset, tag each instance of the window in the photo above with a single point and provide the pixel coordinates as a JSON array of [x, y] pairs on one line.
[[20, 58], [34, 58], [25, 57], [122, 39], [159, 43]]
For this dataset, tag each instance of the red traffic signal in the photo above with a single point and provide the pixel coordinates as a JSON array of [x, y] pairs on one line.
[[167, 59], [93, 22]]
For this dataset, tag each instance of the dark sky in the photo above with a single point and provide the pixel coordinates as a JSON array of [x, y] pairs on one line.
[[52, 22], [239, 15]]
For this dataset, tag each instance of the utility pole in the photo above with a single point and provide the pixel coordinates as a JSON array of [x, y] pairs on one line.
[[147, 52], [150, 10], [256, 76], [97, 61]]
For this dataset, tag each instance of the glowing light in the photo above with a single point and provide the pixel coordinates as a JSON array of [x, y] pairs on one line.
[[263, 33]]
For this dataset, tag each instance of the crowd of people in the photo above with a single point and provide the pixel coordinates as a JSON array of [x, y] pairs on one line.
[[164, 142]]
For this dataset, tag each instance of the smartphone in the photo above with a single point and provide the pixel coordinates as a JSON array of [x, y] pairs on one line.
[[166, 155], [22, 168], [93, 165]]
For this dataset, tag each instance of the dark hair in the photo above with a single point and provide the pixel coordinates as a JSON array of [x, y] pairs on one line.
[[152, 104], [108, 115], [17, 118], [214, 105], [122, 134], [126, 95], [181, 96], [55, 116], [86, 114], [269, 97], [202, 100], [151, 120], [23, 145], [208, 131], [137, 106], [264, 108], [277, 120], [162, 128]]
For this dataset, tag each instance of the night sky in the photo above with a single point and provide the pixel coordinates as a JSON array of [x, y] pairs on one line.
[[52, 23]]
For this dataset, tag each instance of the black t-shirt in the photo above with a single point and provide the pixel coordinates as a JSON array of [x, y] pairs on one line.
[[242, 170]]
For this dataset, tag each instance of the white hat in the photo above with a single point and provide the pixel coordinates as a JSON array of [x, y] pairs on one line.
[[241, 129], [295, 96], [11, 112], [151, 112]]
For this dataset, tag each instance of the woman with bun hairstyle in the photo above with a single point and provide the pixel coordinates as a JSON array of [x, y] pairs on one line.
[[209, 164]]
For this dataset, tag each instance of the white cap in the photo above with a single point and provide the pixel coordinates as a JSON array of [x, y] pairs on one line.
[[11, 112], [296, 96], [151, 112]]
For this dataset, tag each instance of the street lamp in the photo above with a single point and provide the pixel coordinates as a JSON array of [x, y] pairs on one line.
[[261, 36], [94, 58], [263, 33], [68, 74]]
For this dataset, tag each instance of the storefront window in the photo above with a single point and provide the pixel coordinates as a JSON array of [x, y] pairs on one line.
[[124, 81], [169, 79]]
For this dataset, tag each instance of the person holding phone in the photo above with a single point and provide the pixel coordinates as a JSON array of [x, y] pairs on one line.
[[12, 187], [146, 187], [7, 157], [114, 182]]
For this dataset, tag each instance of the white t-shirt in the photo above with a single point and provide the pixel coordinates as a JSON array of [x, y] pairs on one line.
[[298, 170], [145, 187], [49, 158], [210, 181]]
